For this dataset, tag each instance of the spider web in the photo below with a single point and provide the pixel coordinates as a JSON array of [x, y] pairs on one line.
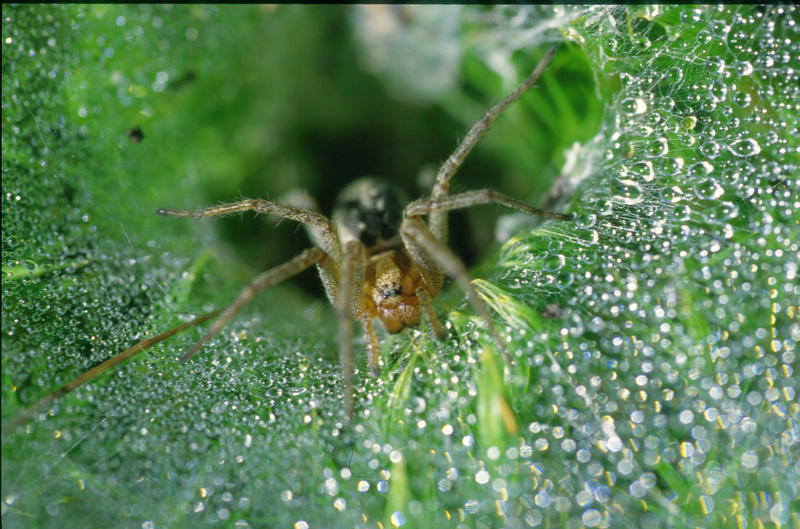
[[682, 338], [656, 336], [675, 361]]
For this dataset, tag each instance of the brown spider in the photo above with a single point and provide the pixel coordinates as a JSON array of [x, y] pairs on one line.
[[375, 258]]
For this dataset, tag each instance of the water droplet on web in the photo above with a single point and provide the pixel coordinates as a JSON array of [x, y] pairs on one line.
[[780, 513], [674, 75], [634, 106], [744, 68], [742, 99], [724, 211], [397, 519], [745, 147], [627, 191], [710, 149], [587, 221], [700, 169], [718, 90], [671, 166], [592, 518], [657, 148], [643, 170]]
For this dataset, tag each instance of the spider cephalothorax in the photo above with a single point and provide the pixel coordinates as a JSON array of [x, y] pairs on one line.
[[389, 289], [376, 257]]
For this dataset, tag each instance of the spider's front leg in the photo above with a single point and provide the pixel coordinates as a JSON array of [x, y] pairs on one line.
[[348, 304], [327, 255], [429, 206], [433, 256], [262, 281]]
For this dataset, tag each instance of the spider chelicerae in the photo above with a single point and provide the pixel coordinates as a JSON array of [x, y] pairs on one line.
[[376, 258]]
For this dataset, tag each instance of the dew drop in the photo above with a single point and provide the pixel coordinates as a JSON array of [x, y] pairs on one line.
[[591, 518], [671, 166], [398, 519], [725, 211], [533, 517], [744, 68], [643, 170], [634, 106], [554, 263], [627, 192], [674, 75], [742, 99], [657, 148], [710, 149], [745, 147], [700, 168], [780, 514]]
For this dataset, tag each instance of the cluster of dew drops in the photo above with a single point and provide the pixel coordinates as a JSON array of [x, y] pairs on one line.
[[678, 285]]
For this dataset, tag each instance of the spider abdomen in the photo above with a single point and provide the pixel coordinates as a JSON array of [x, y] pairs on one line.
[[369, 210]]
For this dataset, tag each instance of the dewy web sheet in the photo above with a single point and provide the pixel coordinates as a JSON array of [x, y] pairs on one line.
[[656, 335]]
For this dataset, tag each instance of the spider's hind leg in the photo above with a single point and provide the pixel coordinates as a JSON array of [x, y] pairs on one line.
[[438, 218]]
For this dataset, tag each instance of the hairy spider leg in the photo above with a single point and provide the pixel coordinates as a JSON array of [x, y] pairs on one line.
[[262, 281], [425, 301], [478, 197], [424, 246], [101, 368], [373, 355], [349, 307], [437, 221], [320, 229]]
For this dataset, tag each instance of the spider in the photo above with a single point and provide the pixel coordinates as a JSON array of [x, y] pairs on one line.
[[376, 258]]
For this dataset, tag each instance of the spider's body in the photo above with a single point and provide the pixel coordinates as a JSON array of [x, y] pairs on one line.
[[370, 211], [376, 257]]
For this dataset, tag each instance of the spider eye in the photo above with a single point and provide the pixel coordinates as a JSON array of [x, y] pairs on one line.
[[387, 293]]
